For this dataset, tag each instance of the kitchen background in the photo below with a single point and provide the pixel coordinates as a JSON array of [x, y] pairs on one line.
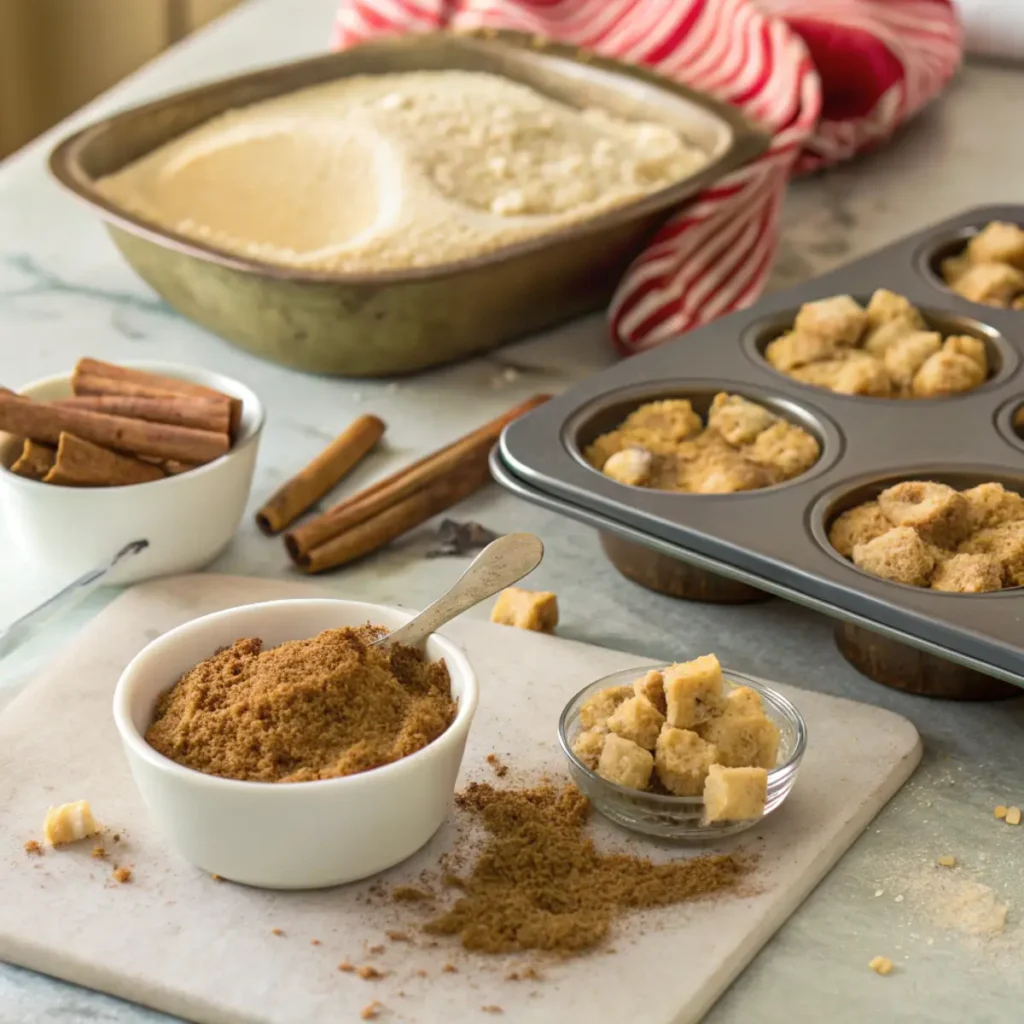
[[56, 55]]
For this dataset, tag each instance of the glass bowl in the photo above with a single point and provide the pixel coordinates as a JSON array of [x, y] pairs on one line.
[[680, 817]]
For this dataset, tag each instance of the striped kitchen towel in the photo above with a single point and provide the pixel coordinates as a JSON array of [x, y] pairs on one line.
[[830, 78]]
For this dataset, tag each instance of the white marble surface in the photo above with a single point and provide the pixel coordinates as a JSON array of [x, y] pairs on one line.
[[64, 291]]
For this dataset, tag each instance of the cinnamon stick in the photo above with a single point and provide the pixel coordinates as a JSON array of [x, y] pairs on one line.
[[35, 461], [82, 464], [180, 410], [125, 380], [312, 482], [375, 532], [375, 499], [44, 422]]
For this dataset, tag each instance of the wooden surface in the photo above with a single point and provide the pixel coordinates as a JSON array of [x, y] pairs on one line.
[[179, 941]]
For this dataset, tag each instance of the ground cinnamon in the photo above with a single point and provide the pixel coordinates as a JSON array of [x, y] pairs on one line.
[[308, 709], [540, 883]]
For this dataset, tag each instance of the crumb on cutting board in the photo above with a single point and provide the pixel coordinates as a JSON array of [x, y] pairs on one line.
[[881, 965]]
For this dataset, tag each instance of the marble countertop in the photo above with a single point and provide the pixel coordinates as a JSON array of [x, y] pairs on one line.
[[64, 291]]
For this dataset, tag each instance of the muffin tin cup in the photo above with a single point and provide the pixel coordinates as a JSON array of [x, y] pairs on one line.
[[773, 538], [672, 576]]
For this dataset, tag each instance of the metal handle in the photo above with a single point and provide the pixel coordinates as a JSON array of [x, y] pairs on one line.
[[502, 563]]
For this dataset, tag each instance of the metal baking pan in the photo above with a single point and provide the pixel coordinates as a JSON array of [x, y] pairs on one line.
[[775, 539], [366, 325]]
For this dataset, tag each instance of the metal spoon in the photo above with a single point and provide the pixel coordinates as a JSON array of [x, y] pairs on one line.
[[500, 564]]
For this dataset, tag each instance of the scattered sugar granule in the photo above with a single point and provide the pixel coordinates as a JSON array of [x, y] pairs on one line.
[[881, 965]]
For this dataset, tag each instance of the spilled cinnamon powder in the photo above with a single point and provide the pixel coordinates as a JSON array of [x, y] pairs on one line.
[[307, 709], [540, 883]]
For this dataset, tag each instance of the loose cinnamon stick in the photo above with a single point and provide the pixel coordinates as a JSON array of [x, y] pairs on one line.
[[44, 422], [312, 482], [180, 410], [81, 464], [375, 499], [375, 532], [120, 379], [35, 461]]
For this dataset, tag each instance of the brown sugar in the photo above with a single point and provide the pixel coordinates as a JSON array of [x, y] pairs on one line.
[[540, 883], [122, 875], [308, 709]]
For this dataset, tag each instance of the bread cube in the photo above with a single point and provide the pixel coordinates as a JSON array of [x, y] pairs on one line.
[[887, 307], [672, 419], [947, 373], [743, 701], [734, 794], [631, 466], [588, 746], [682, 760], [624, 763], [968, 574], [785, 447], [904, 357], [954, 267], [637, 719], [864, 376], [651, 686], [596, 711], [819, 375], [968, 345], [790, 351], [899, 555], [879, 340], [1005, 544], [998, 242], [839, 319], [994, 284], [693, 691], [856, 526], [738, 420], [743, 738], [535, 610], [938, 513], [69, 823], [992, 504]]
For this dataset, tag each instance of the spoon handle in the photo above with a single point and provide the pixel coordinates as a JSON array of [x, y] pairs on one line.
[[500, 564]]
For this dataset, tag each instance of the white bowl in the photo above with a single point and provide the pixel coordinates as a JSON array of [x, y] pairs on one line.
[[188, 519], [289, 835]]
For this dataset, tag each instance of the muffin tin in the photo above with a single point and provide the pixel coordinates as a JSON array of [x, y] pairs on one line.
[[775, 539]]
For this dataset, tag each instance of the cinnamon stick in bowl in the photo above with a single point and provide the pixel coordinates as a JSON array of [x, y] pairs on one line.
[[46, 421], [179, 410], [82, 464], [35, 460], [468, 451], [313, 481]]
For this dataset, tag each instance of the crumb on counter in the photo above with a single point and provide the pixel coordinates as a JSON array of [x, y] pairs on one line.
[[314, 942], [122, 875], [491, 1008], [947, 861], [372, 1011], [534, 610], [410, 894], [398, 936], [69, 823], [450, 969], [346, 967], [99, 852], [370, 973], [217, 878], [378, 948], [1000, 812], [881, 965], [1012, 815], [277, 931], [500, 769], [34, 847]]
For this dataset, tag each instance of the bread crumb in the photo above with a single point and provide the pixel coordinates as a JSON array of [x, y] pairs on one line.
[[881, 965], [34, 847], [369, 973], [99, 852], [276, 931], [377, 949], [1012, 815], [947, 861], [1000, 812], [122, 875], [398, 936], [371, 1012], [450, 969], [492, 1009], [345, 966], [69, 823]]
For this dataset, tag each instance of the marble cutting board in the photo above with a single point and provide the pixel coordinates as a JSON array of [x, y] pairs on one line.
[[177, 940]]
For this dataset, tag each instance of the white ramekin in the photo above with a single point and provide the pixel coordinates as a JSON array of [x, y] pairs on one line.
[[289, 835], [188, 519]]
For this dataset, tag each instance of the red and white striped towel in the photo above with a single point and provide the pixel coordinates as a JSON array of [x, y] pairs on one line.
[[829, 78]]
